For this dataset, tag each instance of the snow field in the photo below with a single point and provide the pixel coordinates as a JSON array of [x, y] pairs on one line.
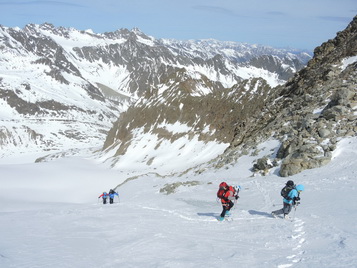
[[51, 217]]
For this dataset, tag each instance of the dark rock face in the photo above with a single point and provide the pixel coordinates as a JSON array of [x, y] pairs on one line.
[[316, 107], [323, 85], [224, 111]]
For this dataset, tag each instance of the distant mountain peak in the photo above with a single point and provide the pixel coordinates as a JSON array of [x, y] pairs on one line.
[[80, 79]]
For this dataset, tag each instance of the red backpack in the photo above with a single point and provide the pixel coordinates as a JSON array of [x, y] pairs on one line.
[[223, 188]]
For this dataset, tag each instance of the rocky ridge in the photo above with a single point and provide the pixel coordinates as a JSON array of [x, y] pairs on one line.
[[311, 112], [307, 115]]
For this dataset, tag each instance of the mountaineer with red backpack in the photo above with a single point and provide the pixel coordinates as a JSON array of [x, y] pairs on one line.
[[105, 196], [227, 194]]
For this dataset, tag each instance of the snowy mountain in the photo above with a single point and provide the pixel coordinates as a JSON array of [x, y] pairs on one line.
[[61, 88], [166, 155], [207, 126]]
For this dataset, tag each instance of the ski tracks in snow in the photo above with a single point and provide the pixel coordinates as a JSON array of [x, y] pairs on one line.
[[265, 194], [298, 239], [292, 235]]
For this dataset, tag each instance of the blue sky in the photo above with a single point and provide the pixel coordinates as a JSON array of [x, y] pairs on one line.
[[302, 24]]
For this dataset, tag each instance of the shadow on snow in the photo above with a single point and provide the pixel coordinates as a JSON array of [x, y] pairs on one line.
[[260, 213]]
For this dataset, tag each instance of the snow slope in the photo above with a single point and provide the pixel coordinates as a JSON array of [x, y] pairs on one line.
[[50, 217]]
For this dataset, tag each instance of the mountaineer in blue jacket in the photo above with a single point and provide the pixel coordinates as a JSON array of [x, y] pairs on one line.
[[112, 194], [291, 194]]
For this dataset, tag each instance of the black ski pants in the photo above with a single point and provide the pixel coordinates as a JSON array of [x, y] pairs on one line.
[[285, 210], [226, 207]]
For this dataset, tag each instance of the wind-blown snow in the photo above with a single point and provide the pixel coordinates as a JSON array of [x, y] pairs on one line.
[[348, 61], [51, 217]]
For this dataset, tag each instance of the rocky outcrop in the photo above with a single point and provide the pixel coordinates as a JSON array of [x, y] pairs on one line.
[[313, 110], [326, 94]]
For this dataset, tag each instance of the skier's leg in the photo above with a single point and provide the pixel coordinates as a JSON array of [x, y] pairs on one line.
[[231, 204], [229, 207], [224, 210], [279, 211], [286, 209]]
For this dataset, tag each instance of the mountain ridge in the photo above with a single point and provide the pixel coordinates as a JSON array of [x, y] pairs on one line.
[[61, 74], [307, 116]]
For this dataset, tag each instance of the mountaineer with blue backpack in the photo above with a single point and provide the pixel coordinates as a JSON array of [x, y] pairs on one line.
[[291, 197], [112, 194]]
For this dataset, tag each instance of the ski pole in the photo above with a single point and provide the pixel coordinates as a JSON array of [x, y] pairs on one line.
[[294, 212]]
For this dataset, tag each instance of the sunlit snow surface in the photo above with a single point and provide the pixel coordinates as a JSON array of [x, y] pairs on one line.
[[51, 216], [149, 153]]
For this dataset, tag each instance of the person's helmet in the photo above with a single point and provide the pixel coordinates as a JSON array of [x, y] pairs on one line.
[[289, 183], [300, 187], [223, 185]]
